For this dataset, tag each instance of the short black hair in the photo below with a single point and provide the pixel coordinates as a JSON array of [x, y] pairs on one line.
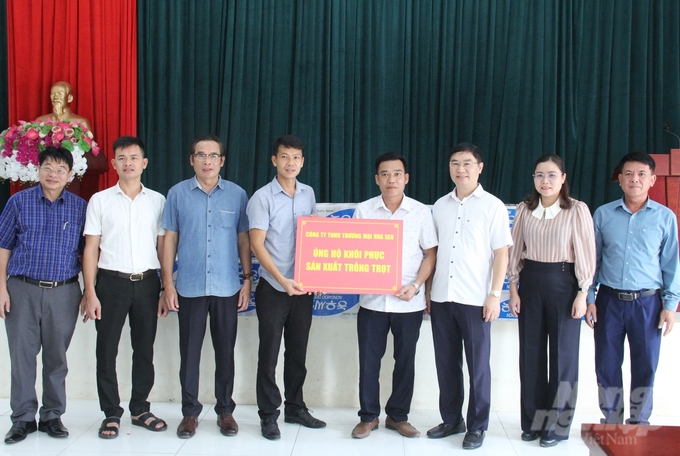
[[390, 156], [289, 142], [639, 157], [126, 141], [213, 138], [58, 154], [467, 147]]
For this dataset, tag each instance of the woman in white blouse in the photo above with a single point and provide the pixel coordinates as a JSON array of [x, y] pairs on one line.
[[553, 259]]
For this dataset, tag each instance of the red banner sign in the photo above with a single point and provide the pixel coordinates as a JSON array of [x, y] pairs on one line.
[[349, 255]]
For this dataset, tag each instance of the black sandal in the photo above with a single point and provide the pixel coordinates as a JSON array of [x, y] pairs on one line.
[[141, 421], [105, 428]]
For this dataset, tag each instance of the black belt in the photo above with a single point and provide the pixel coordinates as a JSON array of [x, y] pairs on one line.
[[624, 295], [47, 283], [134, 277]]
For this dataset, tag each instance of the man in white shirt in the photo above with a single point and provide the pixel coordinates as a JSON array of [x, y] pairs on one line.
[[474, 236], [124, 223], [401, 313]]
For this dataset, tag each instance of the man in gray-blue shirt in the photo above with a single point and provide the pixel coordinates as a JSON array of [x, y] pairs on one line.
[[637, 270], [206, 226], [282, 306]]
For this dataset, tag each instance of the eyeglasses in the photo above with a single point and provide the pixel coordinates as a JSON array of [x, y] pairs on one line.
[[48, 170], [550, 176], [466, 165], [203, 157]]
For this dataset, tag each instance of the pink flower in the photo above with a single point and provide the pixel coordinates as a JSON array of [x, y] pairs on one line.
[[69, 131], [56, 128], [32, 133], [58, 135], [95, 150]]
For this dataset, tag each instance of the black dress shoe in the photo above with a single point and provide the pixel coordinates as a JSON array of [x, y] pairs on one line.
[[270, 430], [445, 430], [19, 431], [530, 436], [54, 428], [473, 440], [547, 442], [302, 416]]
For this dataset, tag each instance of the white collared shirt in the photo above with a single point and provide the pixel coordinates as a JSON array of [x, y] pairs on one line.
[[419, 235], [469, 231], [547, 213], [128, 228]]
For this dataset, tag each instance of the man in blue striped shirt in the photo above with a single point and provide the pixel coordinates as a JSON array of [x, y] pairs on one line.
[[40, 241], [637, 270]]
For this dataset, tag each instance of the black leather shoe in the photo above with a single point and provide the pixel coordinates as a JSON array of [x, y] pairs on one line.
[[473, 440], [302, 416], [445, 430], [530, 436], [54, 428], [270, 430], [548, 442], [19, 431]]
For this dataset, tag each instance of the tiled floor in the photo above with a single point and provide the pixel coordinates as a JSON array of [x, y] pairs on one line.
[[83, 419]]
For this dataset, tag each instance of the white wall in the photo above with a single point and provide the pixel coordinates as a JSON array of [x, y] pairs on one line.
[[333, 368]]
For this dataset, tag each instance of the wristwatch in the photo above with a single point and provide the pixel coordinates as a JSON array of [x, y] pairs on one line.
[[415, 285], [496, 293], [248, 276]]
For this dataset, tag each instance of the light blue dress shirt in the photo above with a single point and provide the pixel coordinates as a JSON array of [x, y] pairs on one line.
[[637, 251], [208, 227], [273, 210]]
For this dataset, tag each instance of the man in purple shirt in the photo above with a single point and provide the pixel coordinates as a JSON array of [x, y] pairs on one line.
[[40, 241]]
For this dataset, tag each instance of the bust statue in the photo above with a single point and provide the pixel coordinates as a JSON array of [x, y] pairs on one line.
[[61, 95]]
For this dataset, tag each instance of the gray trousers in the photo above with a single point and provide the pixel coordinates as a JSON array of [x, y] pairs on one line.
[[39, 318]]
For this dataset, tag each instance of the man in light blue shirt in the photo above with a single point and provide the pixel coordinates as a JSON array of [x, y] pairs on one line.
[[637, 270], [283, 307], [206, 226]]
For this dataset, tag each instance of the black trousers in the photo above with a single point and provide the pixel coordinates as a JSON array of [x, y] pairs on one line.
[[372, 329], [452, 325], [290, 317], [121, 298], [192, 316], [548, 376]]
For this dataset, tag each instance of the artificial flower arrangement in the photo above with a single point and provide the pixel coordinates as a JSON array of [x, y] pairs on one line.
[[21, 144]]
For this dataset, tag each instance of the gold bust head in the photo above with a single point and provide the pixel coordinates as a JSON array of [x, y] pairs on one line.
[[61, 96]]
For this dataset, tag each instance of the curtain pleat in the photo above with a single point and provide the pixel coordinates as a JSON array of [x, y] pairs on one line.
[[4, 102]]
